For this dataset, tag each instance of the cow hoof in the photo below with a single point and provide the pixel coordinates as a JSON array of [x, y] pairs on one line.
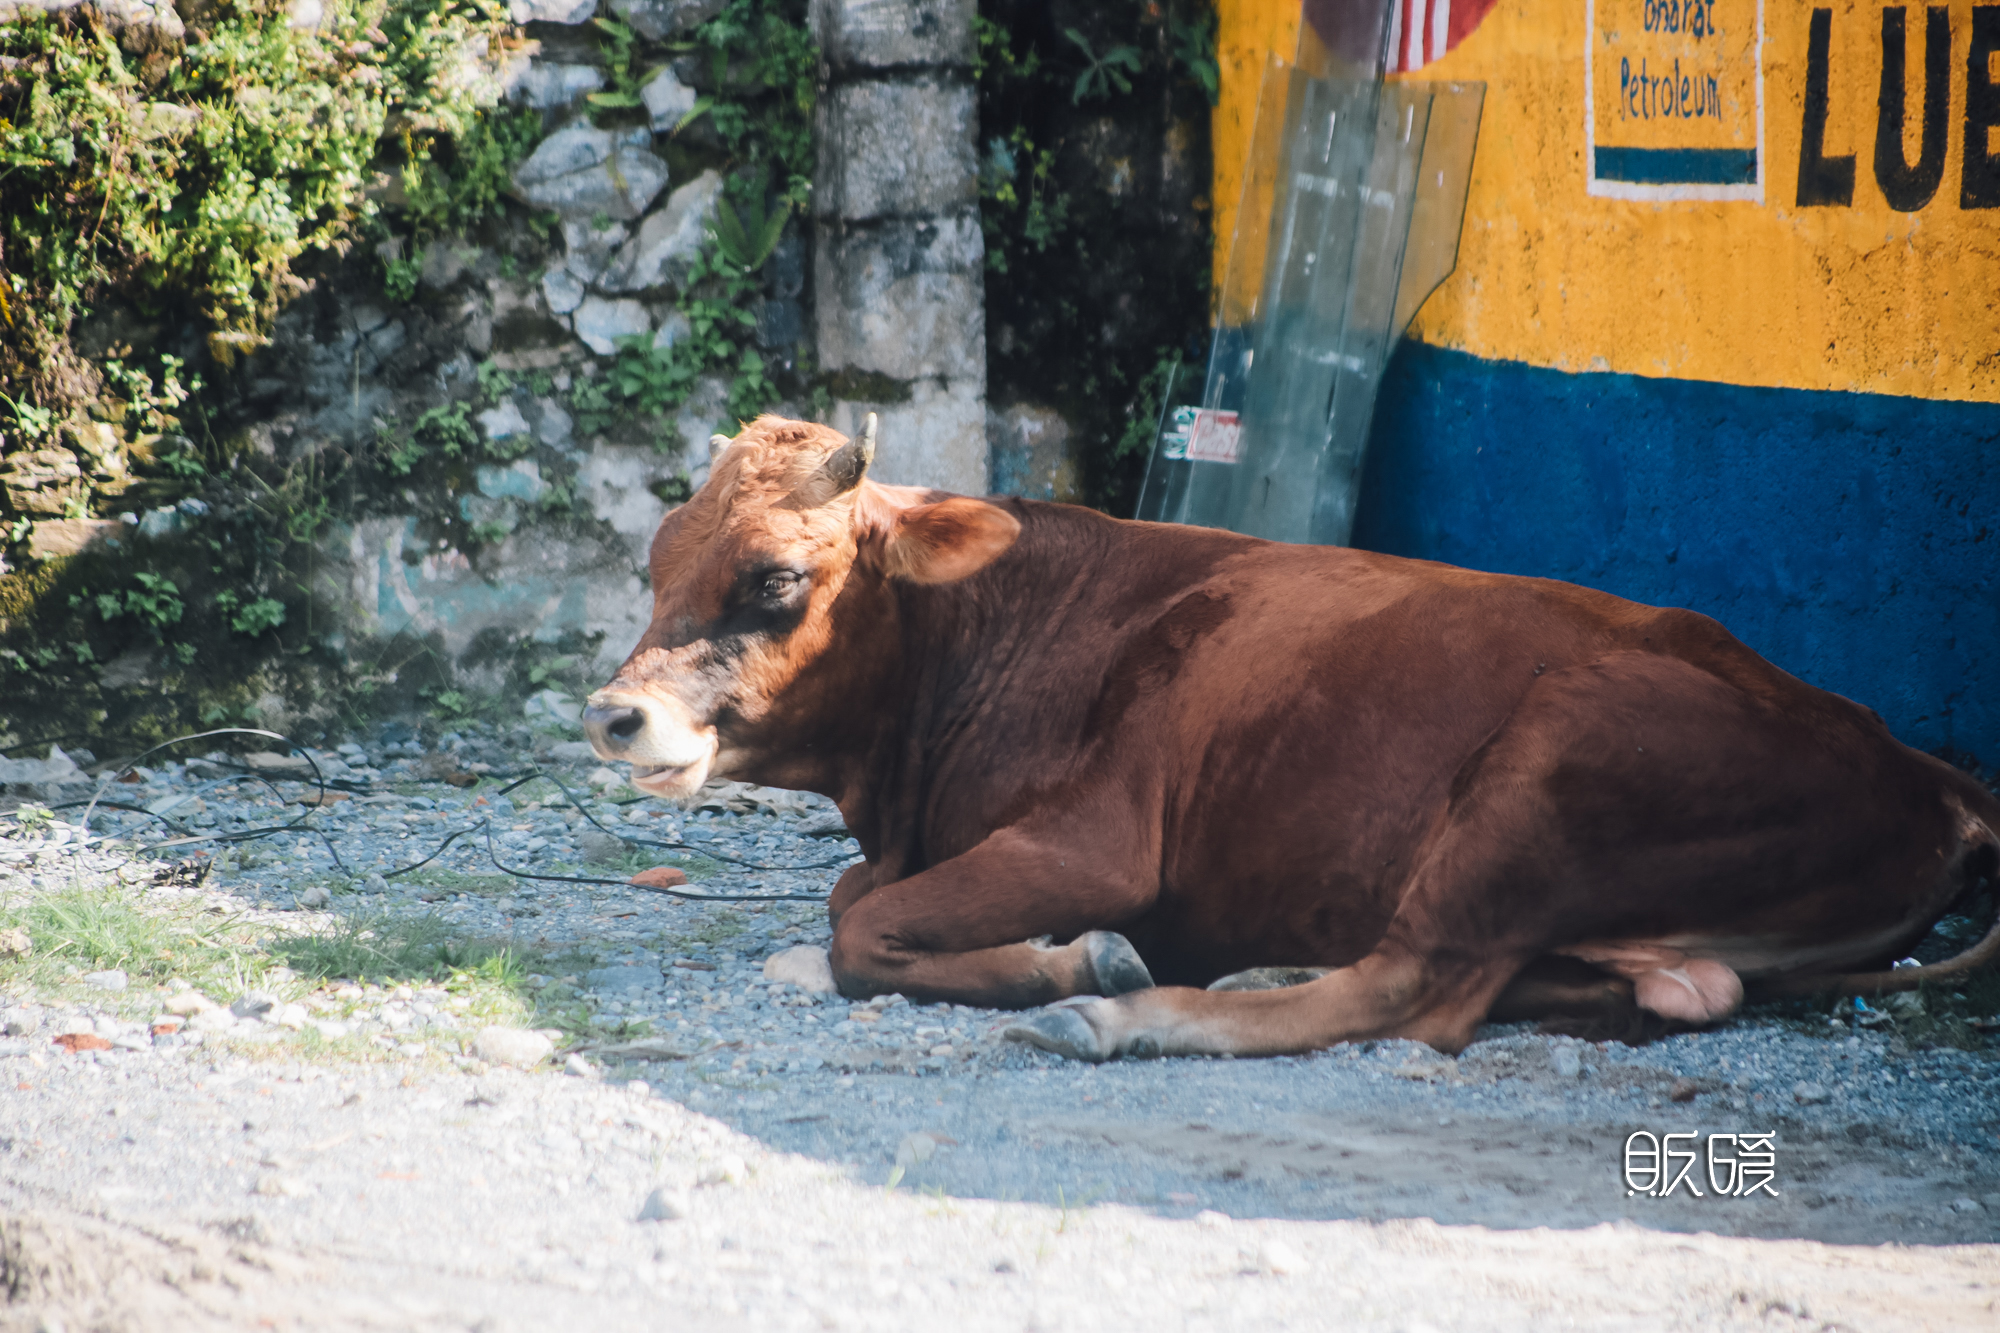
[[1115, 964], [1063, 1031]]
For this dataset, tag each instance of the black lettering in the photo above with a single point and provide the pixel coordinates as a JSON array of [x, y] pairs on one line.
[[1909, 188], [1823, 180], [1980, 185]]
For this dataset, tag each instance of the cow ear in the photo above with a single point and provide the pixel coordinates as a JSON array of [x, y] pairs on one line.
[[949, 540]]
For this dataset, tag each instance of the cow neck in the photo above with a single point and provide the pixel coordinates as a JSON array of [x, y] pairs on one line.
[[983, 703]]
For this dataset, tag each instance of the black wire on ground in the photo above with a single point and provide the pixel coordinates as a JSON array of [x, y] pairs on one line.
[[187, 838]]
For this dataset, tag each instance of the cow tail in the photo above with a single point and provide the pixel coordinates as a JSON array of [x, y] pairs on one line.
[[1982, 859]]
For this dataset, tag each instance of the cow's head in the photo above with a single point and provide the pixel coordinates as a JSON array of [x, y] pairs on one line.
[[746, 576]]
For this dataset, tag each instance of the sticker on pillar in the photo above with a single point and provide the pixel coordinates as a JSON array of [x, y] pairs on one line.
[[1214, 437], [1673, 99]]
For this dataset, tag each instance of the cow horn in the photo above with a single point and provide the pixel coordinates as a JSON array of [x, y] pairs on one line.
[[843, 469], [716, 444]]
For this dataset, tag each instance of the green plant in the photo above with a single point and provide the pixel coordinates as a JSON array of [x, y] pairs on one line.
[[155, 603], [1102, 73], [1194, 49], [626, 83], [749, 240], [253, 617]]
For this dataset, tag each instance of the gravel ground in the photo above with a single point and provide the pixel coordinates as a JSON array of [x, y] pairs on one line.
[[344, 1152]]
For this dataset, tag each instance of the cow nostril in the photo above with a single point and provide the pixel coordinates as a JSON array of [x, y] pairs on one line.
[[613, 727]]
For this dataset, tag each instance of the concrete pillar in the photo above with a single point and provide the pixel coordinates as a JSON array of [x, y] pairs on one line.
[[899, 262]]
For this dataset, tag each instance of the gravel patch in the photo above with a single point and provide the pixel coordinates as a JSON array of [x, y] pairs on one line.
[[624, 1108]]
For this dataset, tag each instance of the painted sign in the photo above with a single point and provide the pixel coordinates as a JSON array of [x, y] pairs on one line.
[[1674, 99]]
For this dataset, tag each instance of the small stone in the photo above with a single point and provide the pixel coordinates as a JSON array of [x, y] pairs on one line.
[[578, 1067], [291, 1016], [667, 100], [1905, 1004], [664, 1205], [599, 323], [1211, 1219], [187, 1002], [1809, 1094], [659, 877], [211, 1020], [114, 979], [601, 848], [512, 1046], [82, 1041], [551, 11], [943, 1048], [1965, 1204], [20, 1021], [1274, 1256], [916, 1149], [604, 776], [657, 20], [1684, 1090], [314, 898], [330, 1029], [664, 248], [253, 1004], [280, 1187], [582, 171], [806, 966], [372, 882], [1566, 1062], [15, 944], [725, 1170]]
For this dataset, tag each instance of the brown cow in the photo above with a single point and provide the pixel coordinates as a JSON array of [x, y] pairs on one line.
[[1470, 795]]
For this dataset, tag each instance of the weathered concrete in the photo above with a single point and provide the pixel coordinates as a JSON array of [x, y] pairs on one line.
[[899, 293]]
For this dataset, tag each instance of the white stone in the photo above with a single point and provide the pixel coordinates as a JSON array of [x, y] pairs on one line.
[[660, 19], [563, 290], [503, 422], [614, 482], [727, 1169], [314, 897], [916, 1149], [1809, 1094], [512, 1046], [1274, 1256], [937, 439], [551, 11], [58, 767], [805, 966], [211, 1020], [578, 1067], [331, 1029], [582, 171], [1566, 1062], [599, 323], [188, 1002], [667, 99], [547, 84], [664, 1205], [667, 241], [113, 979], [589, 244]]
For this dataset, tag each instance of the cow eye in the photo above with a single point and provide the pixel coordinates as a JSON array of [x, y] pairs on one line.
[[779, 583]]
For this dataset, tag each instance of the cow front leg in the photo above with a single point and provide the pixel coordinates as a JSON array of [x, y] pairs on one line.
[[973, 930]]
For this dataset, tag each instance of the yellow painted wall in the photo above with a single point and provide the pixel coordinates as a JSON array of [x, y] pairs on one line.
[[1743, 291]]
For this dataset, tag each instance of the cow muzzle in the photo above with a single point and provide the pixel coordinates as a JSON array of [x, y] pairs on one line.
[[669, 751]]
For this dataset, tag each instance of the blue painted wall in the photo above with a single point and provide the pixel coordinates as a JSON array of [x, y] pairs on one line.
[[1852, 539]]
